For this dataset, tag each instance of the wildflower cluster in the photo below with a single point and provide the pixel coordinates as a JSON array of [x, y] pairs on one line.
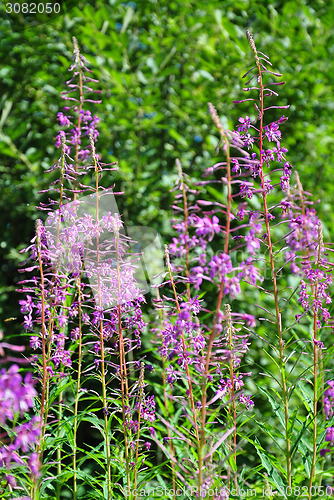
[[84, 310], [18, 435]]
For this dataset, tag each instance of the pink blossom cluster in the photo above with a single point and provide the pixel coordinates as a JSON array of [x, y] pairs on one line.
[[18, 441]]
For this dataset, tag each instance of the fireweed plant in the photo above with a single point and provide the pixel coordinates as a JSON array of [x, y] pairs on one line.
[[82, 309], [262, 239], [245, 307]]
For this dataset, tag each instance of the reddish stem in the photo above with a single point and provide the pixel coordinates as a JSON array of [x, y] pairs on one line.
[[272, 265]]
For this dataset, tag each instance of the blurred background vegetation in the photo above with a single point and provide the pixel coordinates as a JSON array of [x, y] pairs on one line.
[[159, 63]]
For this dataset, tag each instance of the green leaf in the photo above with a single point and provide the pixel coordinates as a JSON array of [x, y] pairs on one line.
[[270, 463], [272, 432], [98, 424], [306, 456], [275, 406], [301, 433]]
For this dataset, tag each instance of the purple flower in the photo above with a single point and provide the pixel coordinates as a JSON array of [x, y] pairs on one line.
[[27, 305], [202, 260], [245, 190], [303, 296], [83, 154], [249, 272], [224, 494], [35, 342], [75, 137], [59, 142], [16, 395], [273, 133], [193, 306], [330, 392], [249, 318], [196, 276], [329, 400], [246, 400], [279, 153], [285, 183], [63, 120], [330, 435], [319, 344], [267, 186], [198, 343], [75, 333], [236, 167], [27, 434], [86, 116], [171, 376], [220, 265], [282, 120], [241, 213], [248, 141], [244, 124], [252, 241], [147, 409], [267, 156], [28, 322], [34, 464], [207, 226], [61, 356]]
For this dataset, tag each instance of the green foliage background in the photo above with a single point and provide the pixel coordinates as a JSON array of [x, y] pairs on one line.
[[159, 63]]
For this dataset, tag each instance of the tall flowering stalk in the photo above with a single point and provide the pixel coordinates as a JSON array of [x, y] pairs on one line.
[[213, 354], [86, 295], [59, 254], [228, 216], [304, 238], [271, 132]]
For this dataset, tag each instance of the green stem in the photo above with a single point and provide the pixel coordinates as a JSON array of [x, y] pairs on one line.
[[45, 378], [231, 406], [81, 100], [186, 224]]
